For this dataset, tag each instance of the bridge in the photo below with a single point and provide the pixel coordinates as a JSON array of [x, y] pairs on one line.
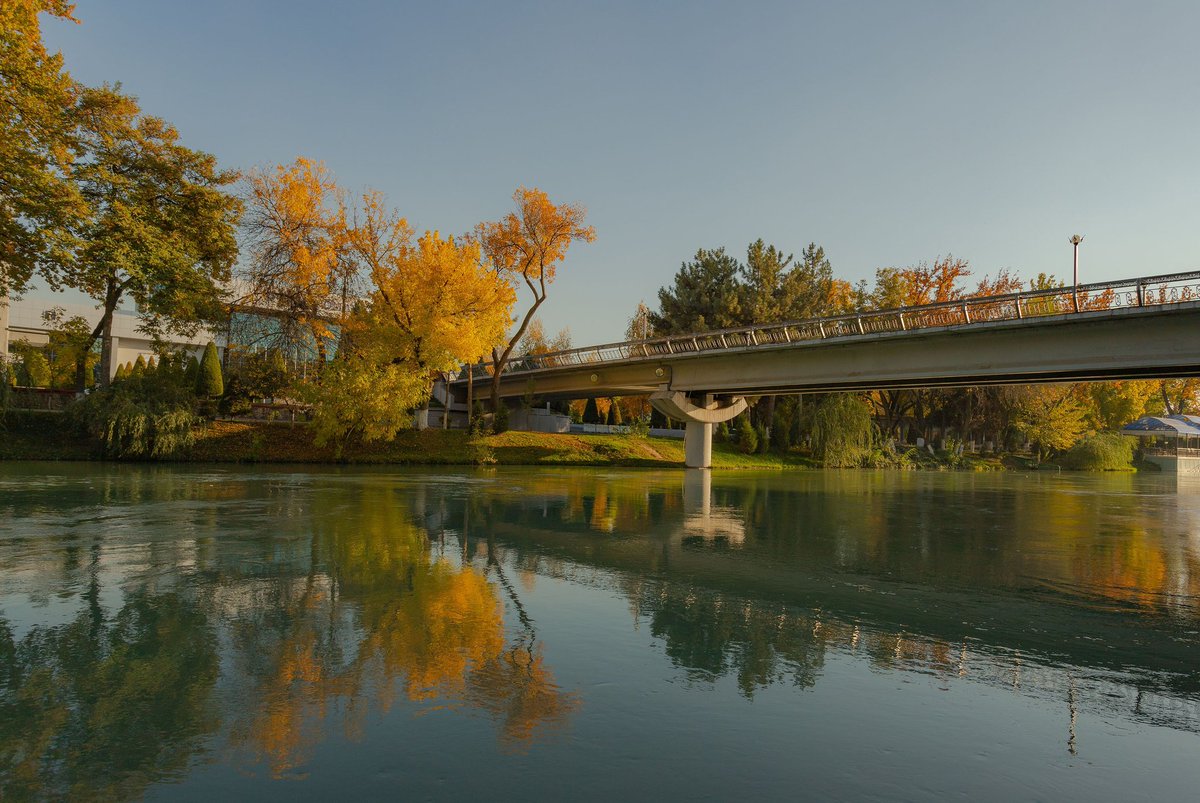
[[1141, 328]]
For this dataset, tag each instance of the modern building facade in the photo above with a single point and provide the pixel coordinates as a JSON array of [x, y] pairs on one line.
[[23, 320]]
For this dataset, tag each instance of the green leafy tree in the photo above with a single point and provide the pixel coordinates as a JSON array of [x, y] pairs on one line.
[[209, 382], [160, 225], [1049, 417], [842, 431], [139, 366]]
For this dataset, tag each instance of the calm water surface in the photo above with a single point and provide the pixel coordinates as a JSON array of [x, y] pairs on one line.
[[200, 633]]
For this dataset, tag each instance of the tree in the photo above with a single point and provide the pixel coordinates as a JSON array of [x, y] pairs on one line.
[[159, 227], [842, 431], [639, 326], [535, 341], [301, 268], [526, 247], [434, 304], [1048, 416], [778, 288], [38, 202], [591, 412], [705, 294], [1179, 395], [69, 349], [209, 383]]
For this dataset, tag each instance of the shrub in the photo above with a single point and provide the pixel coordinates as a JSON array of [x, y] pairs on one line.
[[142, 416], [210, 383], [478, 419], [721, 435], [764, 442], [1105, 451], [500, 419], [639, 427], [748, 438]]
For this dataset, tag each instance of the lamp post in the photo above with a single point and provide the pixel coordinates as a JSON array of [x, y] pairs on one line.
[[1076, 239]]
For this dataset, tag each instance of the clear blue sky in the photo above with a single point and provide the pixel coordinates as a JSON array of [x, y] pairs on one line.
[[888, 132]]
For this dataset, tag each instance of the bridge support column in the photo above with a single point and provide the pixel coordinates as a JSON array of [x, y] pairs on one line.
[[699, 414], [697, 444]]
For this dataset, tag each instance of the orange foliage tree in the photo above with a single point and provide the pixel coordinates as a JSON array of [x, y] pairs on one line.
[[526, 247], [300, 269]]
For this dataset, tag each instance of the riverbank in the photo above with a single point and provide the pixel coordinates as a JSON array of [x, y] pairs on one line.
[[40, 436], [29, 435]]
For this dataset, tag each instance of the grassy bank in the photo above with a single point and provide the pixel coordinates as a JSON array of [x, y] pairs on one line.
[[42, 437]]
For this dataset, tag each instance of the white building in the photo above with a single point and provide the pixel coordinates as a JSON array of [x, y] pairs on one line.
[[22, 320]]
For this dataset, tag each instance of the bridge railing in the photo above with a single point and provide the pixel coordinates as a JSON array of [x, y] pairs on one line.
[[1084, 299]]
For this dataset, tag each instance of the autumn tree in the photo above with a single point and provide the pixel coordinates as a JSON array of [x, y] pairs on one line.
[[433, 304], [301, 269], [1049, 416], [39, 204], [159, 227], [526, 247], [536, 342]]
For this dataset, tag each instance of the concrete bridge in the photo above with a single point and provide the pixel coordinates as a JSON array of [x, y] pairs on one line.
[[1143, 328]]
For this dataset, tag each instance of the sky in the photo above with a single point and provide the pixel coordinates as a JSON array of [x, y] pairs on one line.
[[886, 132]]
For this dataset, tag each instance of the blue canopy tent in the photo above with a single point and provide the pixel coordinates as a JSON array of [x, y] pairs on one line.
[[1171, 427]]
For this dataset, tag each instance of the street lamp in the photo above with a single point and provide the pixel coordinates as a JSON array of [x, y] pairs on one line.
[[1076, 239]]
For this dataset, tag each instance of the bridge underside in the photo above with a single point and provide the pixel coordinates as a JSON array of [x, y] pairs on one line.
[[1129, 343]]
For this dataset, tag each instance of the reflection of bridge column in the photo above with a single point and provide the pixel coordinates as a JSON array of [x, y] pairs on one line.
[[700, 417], [697, 493]]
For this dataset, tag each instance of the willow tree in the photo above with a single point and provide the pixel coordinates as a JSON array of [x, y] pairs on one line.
[[525, 247], [842, 431]]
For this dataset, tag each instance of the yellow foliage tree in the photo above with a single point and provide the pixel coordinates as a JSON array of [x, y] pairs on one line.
[[433, 305]]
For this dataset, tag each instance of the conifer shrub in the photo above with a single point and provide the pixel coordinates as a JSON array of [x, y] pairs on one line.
[[210, 383], [139, 366], [748, 438], [591, 413]]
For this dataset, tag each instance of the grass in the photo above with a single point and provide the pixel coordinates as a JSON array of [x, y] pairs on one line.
[[42, 437]]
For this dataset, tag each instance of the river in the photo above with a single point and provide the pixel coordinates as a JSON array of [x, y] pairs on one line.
[[276, 633]]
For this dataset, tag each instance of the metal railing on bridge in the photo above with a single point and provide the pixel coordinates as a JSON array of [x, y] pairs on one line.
[[1082, 299]]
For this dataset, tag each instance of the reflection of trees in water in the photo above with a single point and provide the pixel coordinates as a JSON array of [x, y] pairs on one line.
[[343, 612], [387, 617], [102, 707], [888, 558]]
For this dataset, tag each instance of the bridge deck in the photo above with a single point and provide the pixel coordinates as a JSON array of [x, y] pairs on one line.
[[1144, 327]]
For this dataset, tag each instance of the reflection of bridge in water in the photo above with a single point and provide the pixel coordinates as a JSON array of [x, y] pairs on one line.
[[1130, 329], [774, 611]]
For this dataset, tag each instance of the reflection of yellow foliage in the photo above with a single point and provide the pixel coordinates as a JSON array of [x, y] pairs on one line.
[[426, 627], [516, 688]]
